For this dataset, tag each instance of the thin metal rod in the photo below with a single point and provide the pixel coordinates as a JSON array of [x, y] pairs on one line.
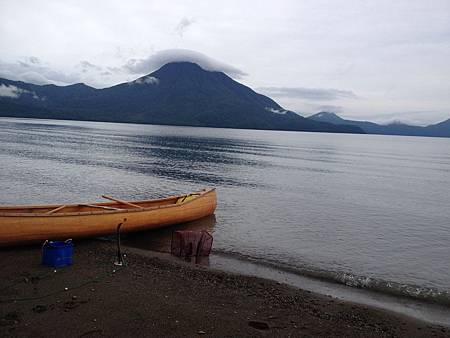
[[119, 253]]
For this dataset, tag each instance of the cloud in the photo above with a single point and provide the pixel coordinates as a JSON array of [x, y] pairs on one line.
[[276, 111], [146, 80], [115, 69], [33, 77], [183, 25], [10, 91], [34, 71], [14, 92], [419, 118], [314, 94], [159, 59], [330, 108], [34, 60], [87, 66]]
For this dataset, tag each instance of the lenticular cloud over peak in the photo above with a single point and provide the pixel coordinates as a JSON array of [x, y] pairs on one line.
[[159, 59]]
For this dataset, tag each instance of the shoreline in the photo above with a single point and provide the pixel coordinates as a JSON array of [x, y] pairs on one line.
[[154, 296], [158, 243], [426, 311]]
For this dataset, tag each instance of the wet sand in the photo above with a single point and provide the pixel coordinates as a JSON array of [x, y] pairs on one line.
[[159, 297]]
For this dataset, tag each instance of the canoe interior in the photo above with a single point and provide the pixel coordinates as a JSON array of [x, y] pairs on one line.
[[90, 207]]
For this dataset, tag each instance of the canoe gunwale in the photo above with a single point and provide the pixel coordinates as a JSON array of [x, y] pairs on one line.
[[201, 193]]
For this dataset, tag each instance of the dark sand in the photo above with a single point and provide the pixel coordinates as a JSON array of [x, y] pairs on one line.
[[157, 297]]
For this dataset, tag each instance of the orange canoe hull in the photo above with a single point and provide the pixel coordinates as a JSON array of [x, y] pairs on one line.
[[31, 224]]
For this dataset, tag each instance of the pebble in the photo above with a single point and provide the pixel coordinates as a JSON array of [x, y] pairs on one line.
[[201, 332], [74, 297], [66, 289]]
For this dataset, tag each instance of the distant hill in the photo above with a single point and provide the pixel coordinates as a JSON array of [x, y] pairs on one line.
[[180, 93], [441, 129]]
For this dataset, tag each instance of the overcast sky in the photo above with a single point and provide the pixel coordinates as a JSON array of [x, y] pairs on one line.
[[378, 60]]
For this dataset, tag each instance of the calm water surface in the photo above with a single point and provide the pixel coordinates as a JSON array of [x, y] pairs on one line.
[[364, 210]]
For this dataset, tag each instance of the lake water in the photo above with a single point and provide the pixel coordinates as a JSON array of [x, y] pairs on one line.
[[363, 210]]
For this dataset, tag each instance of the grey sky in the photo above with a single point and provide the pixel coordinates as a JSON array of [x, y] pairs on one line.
[[380, 60]]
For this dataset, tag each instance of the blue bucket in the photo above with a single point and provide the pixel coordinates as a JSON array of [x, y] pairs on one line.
[[57, 254]]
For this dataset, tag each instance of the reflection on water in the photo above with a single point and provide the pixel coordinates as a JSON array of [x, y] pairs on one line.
[[160, 239], [183, 158], [364, 210]]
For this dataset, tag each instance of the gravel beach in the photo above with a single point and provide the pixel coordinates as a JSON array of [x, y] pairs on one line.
[[157, 297]]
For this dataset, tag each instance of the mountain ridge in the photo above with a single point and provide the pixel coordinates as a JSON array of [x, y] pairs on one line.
[[440, 129], [179, 93]]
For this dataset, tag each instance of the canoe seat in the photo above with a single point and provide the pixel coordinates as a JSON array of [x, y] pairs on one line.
[[186, 198]]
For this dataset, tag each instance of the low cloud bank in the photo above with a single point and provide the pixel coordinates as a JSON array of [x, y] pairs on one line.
[[146, 80], [35, 71], [159, 59], [313, 94], [10, 91], [330, 108], [14, 92]]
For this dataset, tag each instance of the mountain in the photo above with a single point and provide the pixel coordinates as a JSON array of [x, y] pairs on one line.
[[441, 129], [180, 93]]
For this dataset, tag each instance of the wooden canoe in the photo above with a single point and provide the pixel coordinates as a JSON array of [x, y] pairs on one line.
[[37, 223]]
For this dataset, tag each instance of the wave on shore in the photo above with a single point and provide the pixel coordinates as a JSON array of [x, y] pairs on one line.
[[432, 295]]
